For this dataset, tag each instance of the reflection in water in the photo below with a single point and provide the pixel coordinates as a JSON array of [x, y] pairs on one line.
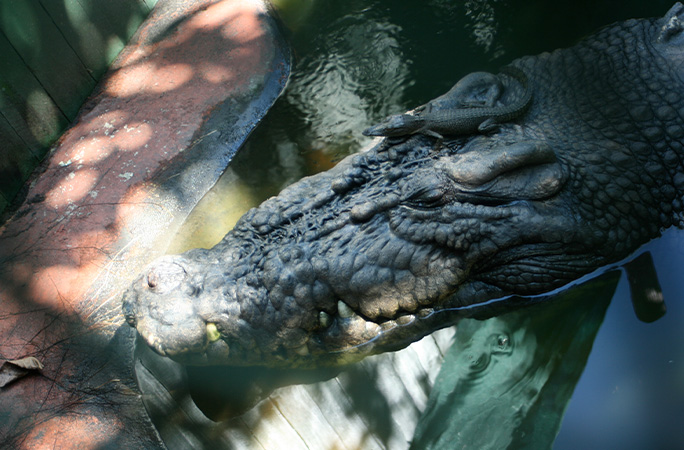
[[293, 13], [349, 73], [371, 405], [484, 24], [631, 394], [647, 295], [356, 74], [506, 381]]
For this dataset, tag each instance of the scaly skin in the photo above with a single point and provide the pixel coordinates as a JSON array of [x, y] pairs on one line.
[[398, 241], [457, 113]]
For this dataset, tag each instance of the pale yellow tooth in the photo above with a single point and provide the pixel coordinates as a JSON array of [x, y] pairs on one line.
[[372, 327], [388, 325], [212, 332], [425, 312], [324, 319], [344, 310], [405, 320], [302, 351]]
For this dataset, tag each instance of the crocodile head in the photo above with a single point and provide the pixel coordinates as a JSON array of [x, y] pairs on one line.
[[400, 240], [342, 261]]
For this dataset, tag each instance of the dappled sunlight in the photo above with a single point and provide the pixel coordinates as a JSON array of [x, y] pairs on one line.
[[48, 119], [81, 171], [223, 21], [148, 78], [168, 78], [132, 136], [90, 39], [60, 279], [92, 431], [100, 210], [74, 187], [216, 73], [89, 151], [103, 121], [126, 137], [79, 266], [107, 133], [222, 17]]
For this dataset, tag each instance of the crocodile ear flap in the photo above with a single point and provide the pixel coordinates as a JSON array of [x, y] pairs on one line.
[[672, 25]]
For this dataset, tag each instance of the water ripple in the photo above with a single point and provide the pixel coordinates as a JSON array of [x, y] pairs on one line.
[[357, 76]]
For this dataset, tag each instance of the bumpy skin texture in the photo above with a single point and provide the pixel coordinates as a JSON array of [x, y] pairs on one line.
[[407, 237]]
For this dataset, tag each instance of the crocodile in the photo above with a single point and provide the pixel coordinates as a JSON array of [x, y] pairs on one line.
[[408, 236], [470, 106]]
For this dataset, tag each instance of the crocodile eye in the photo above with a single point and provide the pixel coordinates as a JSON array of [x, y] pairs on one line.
[[431, 192], [427, 197]]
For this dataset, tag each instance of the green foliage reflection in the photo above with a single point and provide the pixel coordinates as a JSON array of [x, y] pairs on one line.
[[506, 381]]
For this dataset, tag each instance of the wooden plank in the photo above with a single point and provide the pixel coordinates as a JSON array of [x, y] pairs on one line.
[[44, 50], [413, 376], [16, 162], [84, 38], [277, 432], [115, 20], [335, 406], [305, 417], [88, 28], [25, 104]]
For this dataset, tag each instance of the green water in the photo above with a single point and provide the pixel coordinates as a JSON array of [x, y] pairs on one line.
[[356, 62]]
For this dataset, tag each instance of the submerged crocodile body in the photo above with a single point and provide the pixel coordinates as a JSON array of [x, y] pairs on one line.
[[470, 106], [407, 237]]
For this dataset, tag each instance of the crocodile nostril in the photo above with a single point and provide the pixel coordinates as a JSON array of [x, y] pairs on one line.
[[152, 279], [128, 307], [165, 276], [130, 319]]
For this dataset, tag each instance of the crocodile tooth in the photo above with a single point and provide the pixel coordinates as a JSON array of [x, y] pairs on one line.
[[425, 312], [212, 332], [405, 320], [344, 310], [302, 351], [324, 319], [388, 325], [151, 339], [372, 328], [160, 348]]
